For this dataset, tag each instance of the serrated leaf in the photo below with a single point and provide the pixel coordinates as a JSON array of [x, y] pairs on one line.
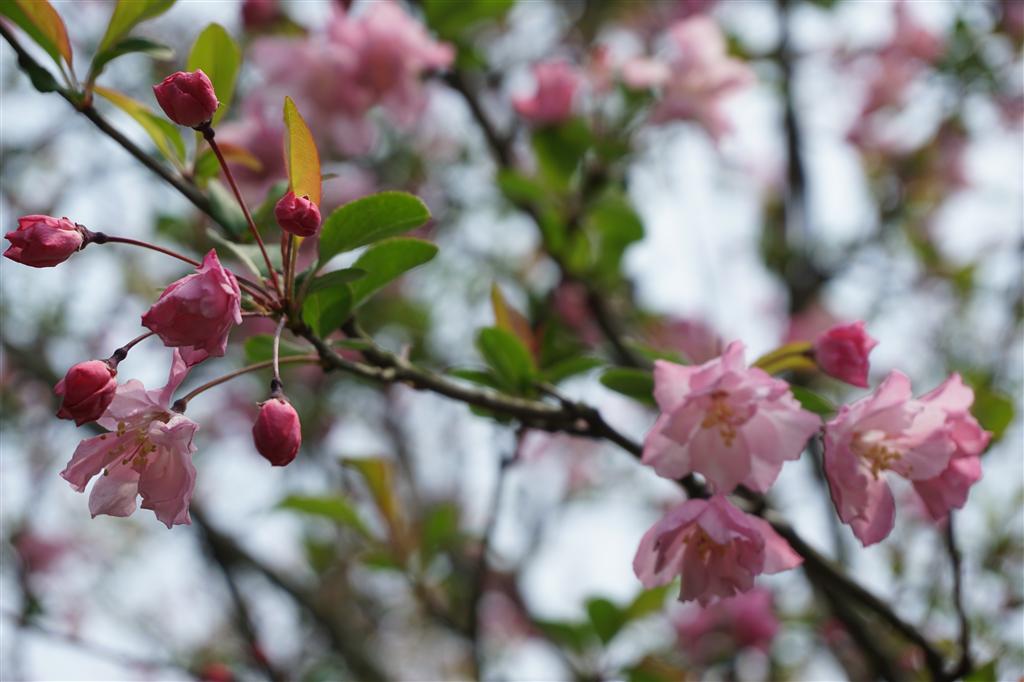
[[127, 15], [635, 383], [326, 310], [163, 133], [811, 401], [260, 348], [334, 508], [370, 219], [128, 45], [42, 23], [301, 155], [387, 260], [507, 356], [606, 617], [219, 56]]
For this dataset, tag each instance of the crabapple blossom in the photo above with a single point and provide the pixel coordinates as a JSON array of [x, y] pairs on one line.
[[297, 215], [730, 423], [716, 548], [198, 311], [931, 441], [42, 241], [86, 391], [188, 99], [147, 452], [277, 432], [746, 621], [842, 352], [552, 100]]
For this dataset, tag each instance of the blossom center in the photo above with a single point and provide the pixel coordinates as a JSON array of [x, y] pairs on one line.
[[873, 448], [721, 415], [703, 545]]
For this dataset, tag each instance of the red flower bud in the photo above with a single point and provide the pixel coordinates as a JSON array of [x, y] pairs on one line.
[[842, 352], [277, 432], [216, 672], [42, 241], [87, 390], [188, 99], [297, 215]]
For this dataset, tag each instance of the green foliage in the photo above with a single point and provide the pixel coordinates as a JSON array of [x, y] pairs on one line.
[[260, 348], [635, 383], [43, 25], [570, 367], [560, 150], [606, 617], [386, 261], [127, 15], [439, 529], [333, 507], [326, 310], [451, 20], [332, 279], [220, 58], [993, 410], [612, 225], [812, 402], [165, 135], [368, 220], [129, 45], [984, 673], [506, 355]]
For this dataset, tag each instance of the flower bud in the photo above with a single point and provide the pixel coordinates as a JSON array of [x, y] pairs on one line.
[[188, 99], [842, 352], [297, 215], [87, 390], [277, 432], [42, 241]]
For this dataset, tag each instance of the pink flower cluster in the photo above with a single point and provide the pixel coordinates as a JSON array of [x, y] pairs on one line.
[[373, 57], [694, 78], [736, 425], [557, 84]]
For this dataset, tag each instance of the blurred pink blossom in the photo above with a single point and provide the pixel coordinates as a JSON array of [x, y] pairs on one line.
[[842, 352], [557, 83], [746, 621]]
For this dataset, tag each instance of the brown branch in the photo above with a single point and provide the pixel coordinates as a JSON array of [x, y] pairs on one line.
[[965, 664]]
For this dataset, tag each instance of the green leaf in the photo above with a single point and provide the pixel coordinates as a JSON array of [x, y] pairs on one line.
[[985, 673], [42, 80], [326, 310], [613, 226], [334, 279], [163, 133], [606, 617], [219, 56], [370, 219], [575, 636], [440, 528], [43, 25], [387, 260], [378, 474], [127, 15], [301, 155], [451, 20], [993, 410], [811, 401], [635, 383], [560, 149], [560, 371], [648, 602], [334, 508], [507, 356], [128, 45], [260, 348], [476, 376]]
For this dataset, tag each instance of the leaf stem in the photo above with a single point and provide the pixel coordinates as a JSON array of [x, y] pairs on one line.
[[182, 403]]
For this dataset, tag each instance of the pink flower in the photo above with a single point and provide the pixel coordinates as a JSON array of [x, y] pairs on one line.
[[923, 440], [695, 78], [148, 452], [87, 390], [746, 621], [730, 423], [717, 549], [188, 99], [277, 432], [198, 311], [297, 215], [552, 100], [842, 352], [42, 241]]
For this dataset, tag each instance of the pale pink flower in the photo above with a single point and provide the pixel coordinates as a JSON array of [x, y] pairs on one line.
[[557, 83], [746, 621], [695, 78], [198, 311], [917, 439], [717, 549], [730, 423], [842, 352], [147, 452]]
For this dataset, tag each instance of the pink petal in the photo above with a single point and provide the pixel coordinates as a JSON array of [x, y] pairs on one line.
[[114, 493]]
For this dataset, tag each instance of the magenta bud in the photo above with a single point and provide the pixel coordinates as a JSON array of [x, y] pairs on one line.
[[277, 432], [87, 391], [297, 215], [43, 241], [188, 99], [842, 352]]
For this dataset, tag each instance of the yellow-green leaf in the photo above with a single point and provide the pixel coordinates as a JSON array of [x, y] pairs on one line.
[[219, 56], [508, 318], [301, 155], [127, 15], [41, 22], [163, 133]]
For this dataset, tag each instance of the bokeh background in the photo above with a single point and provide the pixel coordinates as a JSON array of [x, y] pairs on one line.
[[907, 212]]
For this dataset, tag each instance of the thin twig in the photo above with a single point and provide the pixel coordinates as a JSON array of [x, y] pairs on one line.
[[182, 403], [965, 664]]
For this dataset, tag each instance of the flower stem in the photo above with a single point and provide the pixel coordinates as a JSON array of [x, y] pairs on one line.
[[277, 351], [182, 403], [122, 352], [208, 135]]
